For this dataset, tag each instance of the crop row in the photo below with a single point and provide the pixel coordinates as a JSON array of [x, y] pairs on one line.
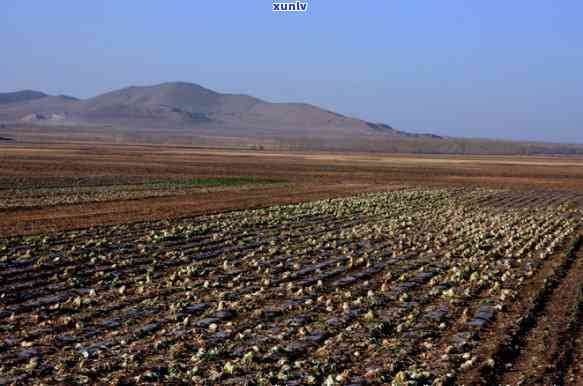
[[376, 288]]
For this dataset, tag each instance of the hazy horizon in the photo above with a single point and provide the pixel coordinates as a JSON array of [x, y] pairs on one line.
[[488, 70]]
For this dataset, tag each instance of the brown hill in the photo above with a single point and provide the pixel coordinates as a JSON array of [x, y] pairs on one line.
[[186, 113], [186, 106], [20, 96], [43, 106]]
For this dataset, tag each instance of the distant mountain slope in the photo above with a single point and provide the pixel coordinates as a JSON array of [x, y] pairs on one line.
[[187, 106], [43, 106], [188, 114], [20, 96], [135, 100]]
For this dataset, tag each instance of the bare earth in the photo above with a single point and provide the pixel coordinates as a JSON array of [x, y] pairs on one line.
[[176, 265], [309, 175]]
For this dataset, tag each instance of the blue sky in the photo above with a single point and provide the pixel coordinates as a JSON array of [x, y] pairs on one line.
[[503, 69]]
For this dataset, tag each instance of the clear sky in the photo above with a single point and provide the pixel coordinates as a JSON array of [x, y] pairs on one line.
[[503, 69]]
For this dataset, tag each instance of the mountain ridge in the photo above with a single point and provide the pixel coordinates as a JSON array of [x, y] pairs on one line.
[[184, 105], [20, 96], [182, 113]]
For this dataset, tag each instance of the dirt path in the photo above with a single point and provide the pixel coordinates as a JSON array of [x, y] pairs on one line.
[[545, 350], [575, 371], [541, 349]]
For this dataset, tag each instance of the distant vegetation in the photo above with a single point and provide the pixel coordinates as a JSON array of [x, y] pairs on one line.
[[428, 145], [373, 144], [39, 196], [226, 181]]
